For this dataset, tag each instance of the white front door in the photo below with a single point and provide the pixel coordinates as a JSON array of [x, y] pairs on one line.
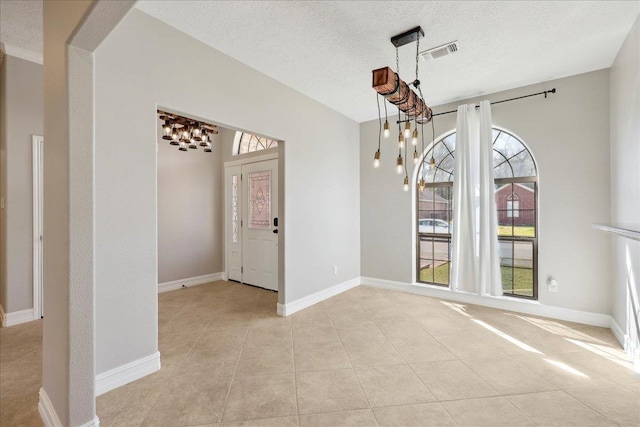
[[259, 224]]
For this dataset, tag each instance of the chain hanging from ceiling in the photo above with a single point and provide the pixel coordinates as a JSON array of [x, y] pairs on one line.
[[186, 133]]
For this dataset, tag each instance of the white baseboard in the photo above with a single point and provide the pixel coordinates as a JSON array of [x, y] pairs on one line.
[[630, 347], [190, 281], [93, 423], [125, 374], [619, 333], [50, 417], [302, 303], [502, 303], [15, 318], [47, 411]]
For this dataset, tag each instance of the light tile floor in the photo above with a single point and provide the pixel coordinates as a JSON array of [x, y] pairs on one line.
[[366, 357]]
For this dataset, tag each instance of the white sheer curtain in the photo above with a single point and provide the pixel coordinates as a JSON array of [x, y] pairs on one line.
[[490, 280], [475, 264], [463, 259]]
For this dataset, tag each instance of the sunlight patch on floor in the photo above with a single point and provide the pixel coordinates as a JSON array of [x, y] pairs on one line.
[[507, 337], [566, 368]]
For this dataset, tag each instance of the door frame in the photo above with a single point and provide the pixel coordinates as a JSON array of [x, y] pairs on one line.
[[227, 217], [37, 142]]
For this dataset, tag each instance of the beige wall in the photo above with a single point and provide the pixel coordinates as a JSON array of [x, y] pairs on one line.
[[319, 161], [190, 211], [568, 136], [22, 95], [625, 172]]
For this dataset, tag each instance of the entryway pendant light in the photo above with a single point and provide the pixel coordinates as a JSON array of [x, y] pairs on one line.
[[392, 88], [187, 134]]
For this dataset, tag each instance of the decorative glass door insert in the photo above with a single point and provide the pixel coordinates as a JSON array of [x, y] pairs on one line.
[[260, 199]]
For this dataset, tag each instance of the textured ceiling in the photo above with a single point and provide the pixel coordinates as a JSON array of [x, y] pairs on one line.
[[21, 28], [327, 49]]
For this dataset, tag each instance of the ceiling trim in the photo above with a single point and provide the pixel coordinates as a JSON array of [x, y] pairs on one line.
[[19, 52]]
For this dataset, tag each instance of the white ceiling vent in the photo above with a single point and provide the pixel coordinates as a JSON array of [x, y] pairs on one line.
[[440, 51]]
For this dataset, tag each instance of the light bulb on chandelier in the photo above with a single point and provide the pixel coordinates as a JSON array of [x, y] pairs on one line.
[[399, 165], [407, 130]]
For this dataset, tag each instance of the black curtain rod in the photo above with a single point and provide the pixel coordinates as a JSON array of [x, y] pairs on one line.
[[505, 100]]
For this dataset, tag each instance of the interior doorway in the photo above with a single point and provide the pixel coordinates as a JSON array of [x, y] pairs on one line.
[[251, 221], [38, 191]]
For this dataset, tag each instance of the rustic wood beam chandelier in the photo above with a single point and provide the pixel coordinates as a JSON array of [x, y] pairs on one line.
[[392, 88], [186, 133]]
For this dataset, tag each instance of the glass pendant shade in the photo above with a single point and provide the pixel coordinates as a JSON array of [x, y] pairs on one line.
[[376, 159], [186, 133], [166, 131], [386, 130]]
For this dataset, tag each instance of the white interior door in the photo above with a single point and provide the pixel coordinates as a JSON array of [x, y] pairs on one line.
[[259, 224], [38, 191], [233, 203]]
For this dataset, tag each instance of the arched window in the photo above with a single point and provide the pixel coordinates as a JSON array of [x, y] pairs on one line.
[[248, 143], [435, 214], [515, 177]]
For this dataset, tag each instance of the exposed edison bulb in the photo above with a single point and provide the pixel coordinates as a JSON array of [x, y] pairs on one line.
[[422, 184], [400, 141], [207, 148], [399, 165], [415, 157], [407, 130], [386, 130], [197, 131], [405, 186], [376, 159], [432, 162], [183, 146], [414, 137], [185, 134]]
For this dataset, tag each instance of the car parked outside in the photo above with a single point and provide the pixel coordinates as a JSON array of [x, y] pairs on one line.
[[437, 226]]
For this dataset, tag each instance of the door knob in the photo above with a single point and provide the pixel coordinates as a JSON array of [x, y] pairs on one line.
[[275, 231]]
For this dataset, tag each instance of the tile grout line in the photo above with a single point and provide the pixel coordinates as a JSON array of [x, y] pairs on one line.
[[295, 374], [235, 371], [352, 367], [168, 380]]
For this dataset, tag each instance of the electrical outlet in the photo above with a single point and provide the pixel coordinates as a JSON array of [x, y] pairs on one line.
[[335, 270], [552, 285]]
